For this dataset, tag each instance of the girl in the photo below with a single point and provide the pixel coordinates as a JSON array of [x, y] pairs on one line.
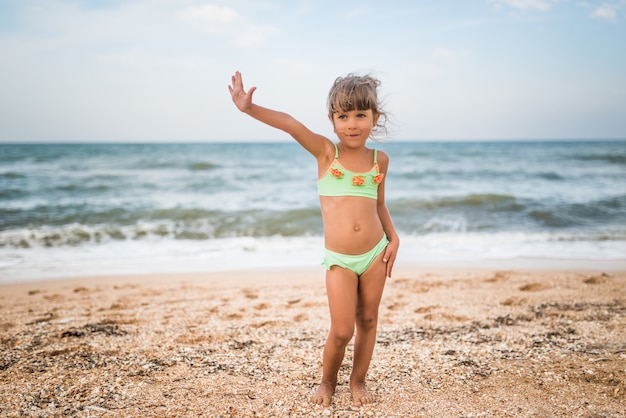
[[361, 241]]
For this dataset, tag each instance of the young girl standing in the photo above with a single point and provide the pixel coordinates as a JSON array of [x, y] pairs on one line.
[[360, 239]]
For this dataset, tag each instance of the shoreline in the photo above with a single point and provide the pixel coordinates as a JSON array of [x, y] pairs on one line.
[[519, 263], [452, 341]]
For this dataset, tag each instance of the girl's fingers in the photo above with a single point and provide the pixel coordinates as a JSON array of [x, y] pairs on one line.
[[389, 258], [389, 269]]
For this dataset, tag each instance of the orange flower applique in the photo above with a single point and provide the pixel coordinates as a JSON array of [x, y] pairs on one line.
[[379, 178], [336, 173], [358, 180]]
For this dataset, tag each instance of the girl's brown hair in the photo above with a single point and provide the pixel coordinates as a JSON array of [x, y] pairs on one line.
[[354, 92]]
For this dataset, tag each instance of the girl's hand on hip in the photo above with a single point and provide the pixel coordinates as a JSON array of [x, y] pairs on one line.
[[389, 257]]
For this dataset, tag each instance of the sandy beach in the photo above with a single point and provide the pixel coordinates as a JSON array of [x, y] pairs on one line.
[[451, 343]]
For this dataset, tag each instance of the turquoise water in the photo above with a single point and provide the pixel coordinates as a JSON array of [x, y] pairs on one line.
[[66, 208]]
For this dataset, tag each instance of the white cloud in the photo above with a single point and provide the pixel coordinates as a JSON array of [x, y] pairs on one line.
[[225, 22], [522, 4], [606, 12]]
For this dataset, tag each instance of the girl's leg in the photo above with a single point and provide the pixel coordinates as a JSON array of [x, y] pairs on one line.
[[341, 288], [369, 294]]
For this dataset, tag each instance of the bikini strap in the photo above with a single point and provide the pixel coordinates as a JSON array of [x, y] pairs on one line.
[[375, 154]]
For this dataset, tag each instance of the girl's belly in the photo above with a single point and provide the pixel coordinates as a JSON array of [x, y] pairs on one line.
[[351, 224]]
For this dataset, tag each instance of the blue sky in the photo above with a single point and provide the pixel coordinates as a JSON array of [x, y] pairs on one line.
[[158, 70]]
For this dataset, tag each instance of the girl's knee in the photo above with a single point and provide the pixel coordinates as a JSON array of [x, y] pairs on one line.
[[341, 337], [367, 321]]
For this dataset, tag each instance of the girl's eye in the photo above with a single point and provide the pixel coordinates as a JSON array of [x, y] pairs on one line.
[[361, 115]]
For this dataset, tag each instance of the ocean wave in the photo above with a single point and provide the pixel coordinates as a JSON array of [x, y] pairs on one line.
[[619, 159], [177, 224], [449, 223], [11, 175], [74, 224], [203, 166], [78, 234], [84, 188], [503, 212], [550, 175], [162, 253], [603, 211], [11, 194], [478, 174], [93, 193], [487, 200], [174, 164]]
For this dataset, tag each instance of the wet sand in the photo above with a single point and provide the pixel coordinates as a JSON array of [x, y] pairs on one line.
[[451, 343]]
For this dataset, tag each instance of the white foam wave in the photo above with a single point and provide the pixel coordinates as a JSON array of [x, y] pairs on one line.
[[153, 255]]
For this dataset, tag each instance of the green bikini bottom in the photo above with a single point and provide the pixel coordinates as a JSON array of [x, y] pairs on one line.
[[357, 263]]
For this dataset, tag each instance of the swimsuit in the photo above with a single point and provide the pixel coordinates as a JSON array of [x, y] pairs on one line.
[[337, 181], [357, 263]]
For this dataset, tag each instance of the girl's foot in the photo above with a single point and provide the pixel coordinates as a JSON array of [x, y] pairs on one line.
[[324, 394], [361, 395]]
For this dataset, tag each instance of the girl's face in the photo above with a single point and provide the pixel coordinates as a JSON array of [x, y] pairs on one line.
[[354, 126]]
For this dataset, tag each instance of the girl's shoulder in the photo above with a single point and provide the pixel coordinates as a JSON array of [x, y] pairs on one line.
[[382, 159]]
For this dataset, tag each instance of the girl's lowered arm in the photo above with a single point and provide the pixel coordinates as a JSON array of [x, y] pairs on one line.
[[385, 218]]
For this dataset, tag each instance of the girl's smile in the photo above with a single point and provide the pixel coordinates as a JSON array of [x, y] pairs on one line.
[[354, 124]]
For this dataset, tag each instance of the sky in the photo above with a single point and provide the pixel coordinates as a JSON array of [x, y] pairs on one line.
[[158, 70]]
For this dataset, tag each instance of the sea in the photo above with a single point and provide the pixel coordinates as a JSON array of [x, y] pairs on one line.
[[69, 210]]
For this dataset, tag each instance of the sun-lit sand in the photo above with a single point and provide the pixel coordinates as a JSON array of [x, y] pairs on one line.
[[451, 342]]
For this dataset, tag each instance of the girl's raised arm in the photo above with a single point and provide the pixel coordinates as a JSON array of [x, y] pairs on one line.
[[314, 143]]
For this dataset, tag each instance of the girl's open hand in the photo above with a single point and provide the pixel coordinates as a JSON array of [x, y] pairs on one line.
[[241, 98]]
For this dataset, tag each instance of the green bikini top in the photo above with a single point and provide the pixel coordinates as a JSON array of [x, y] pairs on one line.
[[337, 181]]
